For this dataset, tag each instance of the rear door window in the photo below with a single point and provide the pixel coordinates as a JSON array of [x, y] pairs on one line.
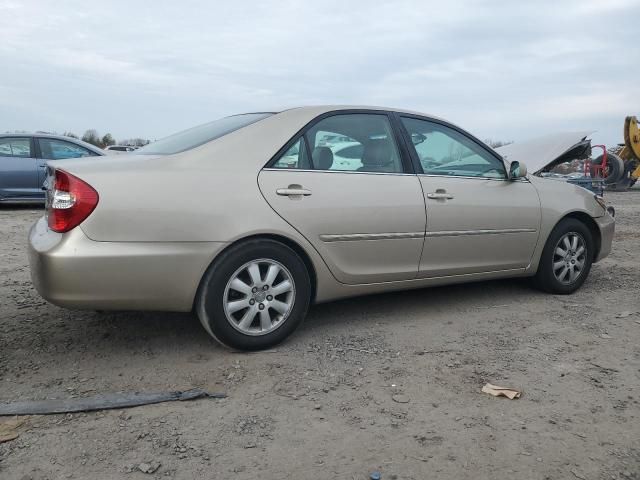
[[295, 157], [360, 142], [15, 147]]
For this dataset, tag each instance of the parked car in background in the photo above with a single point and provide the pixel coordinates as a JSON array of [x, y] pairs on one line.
[[23, 160], [249, 219], [119, 149]]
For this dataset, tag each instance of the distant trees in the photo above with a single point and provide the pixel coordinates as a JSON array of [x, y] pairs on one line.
[[93, 137], [108, 140], [134, 142]]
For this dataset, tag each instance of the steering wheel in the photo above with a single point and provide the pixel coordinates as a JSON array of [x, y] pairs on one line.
[[493, 169], [428, 162]]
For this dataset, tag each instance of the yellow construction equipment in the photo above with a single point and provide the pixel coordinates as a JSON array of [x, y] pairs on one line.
[[629, 153]]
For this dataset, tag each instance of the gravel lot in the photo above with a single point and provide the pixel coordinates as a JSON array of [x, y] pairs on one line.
[[325, 403]]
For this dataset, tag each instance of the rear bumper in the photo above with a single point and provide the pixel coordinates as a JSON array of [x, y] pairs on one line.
[[606, 224], [71, 270]]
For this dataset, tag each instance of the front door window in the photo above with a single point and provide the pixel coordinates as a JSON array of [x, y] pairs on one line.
[[444, 151]]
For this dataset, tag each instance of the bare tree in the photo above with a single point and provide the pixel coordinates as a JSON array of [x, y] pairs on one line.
[[92, 137], [108, 140], [134, 142]]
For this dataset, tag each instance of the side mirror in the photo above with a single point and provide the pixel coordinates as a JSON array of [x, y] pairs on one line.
[[517, 170]]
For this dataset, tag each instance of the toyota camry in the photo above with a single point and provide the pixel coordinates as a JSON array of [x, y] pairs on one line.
[[250, 219]]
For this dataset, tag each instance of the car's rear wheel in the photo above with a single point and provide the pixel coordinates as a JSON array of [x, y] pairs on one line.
[[254, 295], [566, 259]]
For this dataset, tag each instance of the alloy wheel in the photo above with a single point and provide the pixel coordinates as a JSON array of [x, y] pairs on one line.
[[569, 257], [259, 297]]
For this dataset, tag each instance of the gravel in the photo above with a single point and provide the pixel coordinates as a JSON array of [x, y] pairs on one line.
[[388, 383]]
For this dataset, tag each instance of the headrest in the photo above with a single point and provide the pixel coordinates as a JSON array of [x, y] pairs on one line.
[[377, 153], [322, 158]]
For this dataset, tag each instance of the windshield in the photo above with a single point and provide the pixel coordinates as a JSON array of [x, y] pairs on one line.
[[196, 136]]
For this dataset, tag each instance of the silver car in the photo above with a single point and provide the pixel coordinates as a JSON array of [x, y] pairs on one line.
[[249, 219]]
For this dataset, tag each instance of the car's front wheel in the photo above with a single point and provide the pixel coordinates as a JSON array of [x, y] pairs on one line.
[[254, 295], [566, 259]]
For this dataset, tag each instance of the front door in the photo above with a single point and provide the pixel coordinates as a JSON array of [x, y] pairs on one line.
[[477, 220], [343, 186], [18, 171]]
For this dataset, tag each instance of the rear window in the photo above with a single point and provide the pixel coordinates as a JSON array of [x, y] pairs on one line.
[[196, 136]]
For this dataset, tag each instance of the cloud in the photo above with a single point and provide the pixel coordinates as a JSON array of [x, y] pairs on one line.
[[100, 66], [598, 6], [500, 69]]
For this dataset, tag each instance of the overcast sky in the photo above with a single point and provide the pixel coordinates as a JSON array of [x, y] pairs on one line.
[[505, 70]]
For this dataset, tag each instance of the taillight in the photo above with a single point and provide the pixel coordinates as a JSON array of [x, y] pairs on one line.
[[70, 201]]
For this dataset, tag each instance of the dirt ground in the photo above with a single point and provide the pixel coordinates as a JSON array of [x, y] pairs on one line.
[[325, 404]]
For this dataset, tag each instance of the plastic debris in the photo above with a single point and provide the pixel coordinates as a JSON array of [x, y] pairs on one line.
[[375, 475], [8, 430], [149, 468], [101, 402], [399, 398], [497, 391]]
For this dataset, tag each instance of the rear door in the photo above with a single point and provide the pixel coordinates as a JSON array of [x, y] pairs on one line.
[[363, 212], [477, 220], [18, 169]]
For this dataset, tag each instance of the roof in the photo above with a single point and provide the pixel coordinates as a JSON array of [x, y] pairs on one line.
[[77, 141], [329, 108]]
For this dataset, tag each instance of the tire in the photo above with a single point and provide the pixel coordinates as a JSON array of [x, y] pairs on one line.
[[546, 278], [234, 303], [630, 166], [614, 171]]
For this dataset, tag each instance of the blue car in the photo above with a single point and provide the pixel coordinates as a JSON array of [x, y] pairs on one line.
[[23, 160]]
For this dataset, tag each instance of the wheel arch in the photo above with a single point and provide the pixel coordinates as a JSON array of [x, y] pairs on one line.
[[292, 244], [590, 224]]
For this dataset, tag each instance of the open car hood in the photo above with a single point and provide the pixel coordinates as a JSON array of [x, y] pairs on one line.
[[543, 153]]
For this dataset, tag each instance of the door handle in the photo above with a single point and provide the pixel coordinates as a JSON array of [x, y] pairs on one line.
[[293, 190], [440, 196]]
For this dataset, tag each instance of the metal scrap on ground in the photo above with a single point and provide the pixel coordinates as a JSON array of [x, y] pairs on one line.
[[496, 391], [101, 402]]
